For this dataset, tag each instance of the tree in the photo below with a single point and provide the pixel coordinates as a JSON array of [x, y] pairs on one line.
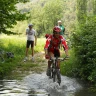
[[84, 44], [9, 15], [94, 7], [53, 13], [81, 11], [46, 15]]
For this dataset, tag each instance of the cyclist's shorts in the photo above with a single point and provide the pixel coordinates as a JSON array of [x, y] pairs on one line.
[[56, 52], [30, 43]]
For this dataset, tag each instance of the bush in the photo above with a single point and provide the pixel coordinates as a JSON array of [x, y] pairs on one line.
[[85, 50]]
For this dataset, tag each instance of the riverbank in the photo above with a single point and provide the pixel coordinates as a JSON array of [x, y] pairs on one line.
[[25, 68]]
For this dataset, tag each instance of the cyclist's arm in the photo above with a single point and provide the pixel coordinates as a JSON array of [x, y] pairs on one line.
[[27, 30], [66, 52], [46, 46], [46, 51], [65, 46], [35, 38]]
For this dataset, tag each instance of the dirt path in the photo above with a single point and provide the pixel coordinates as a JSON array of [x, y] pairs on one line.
[[25, 68], [40, 60]]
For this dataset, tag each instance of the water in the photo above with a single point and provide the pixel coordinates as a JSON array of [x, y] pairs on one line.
[[41, 85], [41, 82]]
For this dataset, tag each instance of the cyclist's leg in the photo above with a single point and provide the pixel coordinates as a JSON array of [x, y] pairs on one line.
[[27, 48], [27, 52], [49, 64], [49, 69], [50, 55], [57, 54], [32, 48]]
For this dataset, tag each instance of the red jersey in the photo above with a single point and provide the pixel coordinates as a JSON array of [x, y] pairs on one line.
[[53, 42]]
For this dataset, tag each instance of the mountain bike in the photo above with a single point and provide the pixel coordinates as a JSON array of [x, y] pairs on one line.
[[55, 72]]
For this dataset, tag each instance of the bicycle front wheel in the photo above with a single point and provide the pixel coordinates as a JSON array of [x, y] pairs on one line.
[[58, 77], [54, 76]]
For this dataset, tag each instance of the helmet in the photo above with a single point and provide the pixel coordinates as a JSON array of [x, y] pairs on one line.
[[30, 25], [59, 21], [56, 29]]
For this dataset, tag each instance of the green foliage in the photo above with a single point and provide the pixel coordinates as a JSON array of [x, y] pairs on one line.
[[68, 66], [53, 12], [81, 11], [85, 50], [46, 15], [17, 44], [94, 7], [9, 15]]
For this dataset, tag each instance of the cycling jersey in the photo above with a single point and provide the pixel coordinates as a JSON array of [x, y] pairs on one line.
[[30, 34], [62, 29], [54, 43]]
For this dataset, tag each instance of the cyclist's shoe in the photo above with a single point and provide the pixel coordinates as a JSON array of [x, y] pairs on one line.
[[25, 59], [48, 73], [32, 58], [59, 81]]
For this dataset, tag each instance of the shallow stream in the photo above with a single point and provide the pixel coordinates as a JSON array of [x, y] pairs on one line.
[[41, 85]]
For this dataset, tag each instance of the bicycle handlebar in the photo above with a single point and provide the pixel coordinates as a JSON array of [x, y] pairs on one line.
[[58, 58]]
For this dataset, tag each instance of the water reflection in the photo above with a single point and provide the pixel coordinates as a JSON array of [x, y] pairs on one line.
[[12, 88]]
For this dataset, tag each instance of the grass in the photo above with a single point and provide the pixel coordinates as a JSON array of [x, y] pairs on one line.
[[69, 65], [16, 67], [17, 45]]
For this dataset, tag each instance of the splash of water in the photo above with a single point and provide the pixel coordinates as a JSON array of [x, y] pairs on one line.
[[42, 82]]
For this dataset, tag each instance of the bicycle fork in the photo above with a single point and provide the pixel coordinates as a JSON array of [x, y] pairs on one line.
[[58, 76]]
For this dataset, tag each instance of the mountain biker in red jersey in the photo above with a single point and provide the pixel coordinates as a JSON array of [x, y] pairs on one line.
[[52, 47]]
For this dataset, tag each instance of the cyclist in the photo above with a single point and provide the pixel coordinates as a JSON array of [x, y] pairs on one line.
[[61, 27], [52, 47], [31, 40]]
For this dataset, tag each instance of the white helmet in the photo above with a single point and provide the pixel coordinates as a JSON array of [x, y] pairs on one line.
[[59, 21], [30, 25]]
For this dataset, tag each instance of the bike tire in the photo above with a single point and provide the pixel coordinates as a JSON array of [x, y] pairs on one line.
[[54, 77], [54, 74], [58, 77]]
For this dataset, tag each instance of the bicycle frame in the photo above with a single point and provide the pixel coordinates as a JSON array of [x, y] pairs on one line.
[[55, 72]]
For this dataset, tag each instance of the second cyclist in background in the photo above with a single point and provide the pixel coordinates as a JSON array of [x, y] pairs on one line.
[[61, 27]]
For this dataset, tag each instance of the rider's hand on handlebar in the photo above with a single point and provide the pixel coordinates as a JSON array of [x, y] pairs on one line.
[[52, 58], [47, 56], [67, 57]]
